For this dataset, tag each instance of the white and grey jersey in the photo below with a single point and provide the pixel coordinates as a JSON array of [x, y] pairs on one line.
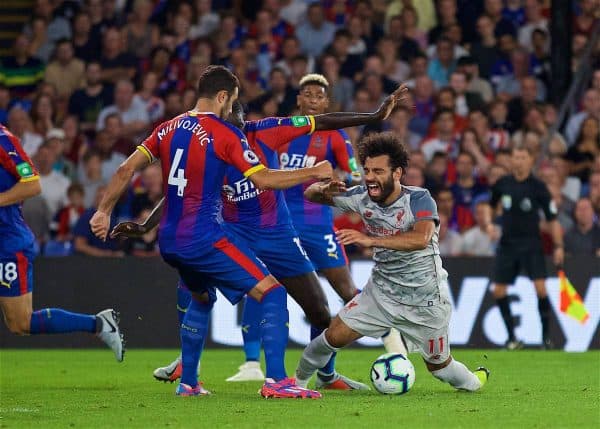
[[407, 277]]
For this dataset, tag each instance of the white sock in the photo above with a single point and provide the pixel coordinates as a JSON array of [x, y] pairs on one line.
[[315, 356], [458, 376], [393, 343]]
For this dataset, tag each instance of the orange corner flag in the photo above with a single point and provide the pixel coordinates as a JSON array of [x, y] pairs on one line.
[[570, 301]]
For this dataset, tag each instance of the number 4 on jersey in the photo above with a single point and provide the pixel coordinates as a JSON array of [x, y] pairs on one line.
[[178, 180]]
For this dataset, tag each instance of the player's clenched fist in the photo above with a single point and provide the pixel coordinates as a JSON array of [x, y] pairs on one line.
[[99, 224], [323, 170]]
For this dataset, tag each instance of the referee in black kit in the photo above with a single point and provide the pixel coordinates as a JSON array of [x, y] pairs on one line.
[[522, 197]]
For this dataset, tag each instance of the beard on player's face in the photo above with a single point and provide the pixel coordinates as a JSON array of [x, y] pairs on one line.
[[379, 190]]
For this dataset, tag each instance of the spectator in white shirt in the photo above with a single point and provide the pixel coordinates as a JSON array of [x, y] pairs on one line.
[[535, 20], [20, 125], [133, 113], [315, 34], [206, 22], [54, 183], [481, 239]]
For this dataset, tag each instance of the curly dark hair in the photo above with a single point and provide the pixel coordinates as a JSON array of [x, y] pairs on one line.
[[386, 143]]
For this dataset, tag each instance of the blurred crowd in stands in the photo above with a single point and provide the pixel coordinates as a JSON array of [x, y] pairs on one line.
[[88, 80]]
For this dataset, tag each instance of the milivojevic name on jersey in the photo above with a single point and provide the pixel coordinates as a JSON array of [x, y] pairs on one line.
[[189, 125]]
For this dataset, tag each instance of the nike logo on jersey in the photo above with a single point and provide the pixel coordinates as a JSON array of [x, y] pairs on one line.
[[5, 284], [12, 153]]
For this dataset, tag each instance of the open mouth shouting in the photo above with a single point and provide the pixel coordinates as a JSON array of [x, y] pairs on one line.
[[374, 190]]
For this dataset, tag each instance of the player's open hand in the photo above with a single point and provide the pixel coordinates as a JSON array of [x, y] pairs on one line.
[[351, 236], [393, 100], [128, 229], [333, 188], [99, 224], [323, 170]]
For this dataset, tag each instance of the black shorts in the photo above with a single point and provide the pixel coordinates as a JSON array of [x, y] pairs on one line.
[[512, 260]]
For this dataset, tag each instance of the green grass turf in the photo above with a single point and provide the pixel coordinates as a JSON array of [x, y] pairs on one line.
[[87, 388]]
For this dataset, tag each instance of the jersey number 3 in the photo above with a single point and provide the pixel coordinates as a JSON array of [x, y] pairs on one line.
[[176, 174]]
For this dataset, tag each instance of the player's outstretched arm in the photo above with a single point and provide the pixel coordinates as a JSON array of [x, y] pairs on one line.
[[100, 222], [133, 229], [337, 120], [20, 192], [323, 192], [267, 178], [417, 239]]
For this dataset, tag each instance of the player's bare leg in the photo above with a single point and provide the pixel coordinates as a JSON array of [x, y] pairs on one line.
[[500, 294], [20, 319], [544, 309], [17, 313], [306, 290], [457, 375], [319, 351], [341, 281]]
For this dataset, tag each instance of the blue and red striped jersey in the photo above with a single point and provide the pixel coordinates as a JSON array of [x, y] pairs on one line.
[[242, 202], [15, 166], [195, 150], [333, 146]]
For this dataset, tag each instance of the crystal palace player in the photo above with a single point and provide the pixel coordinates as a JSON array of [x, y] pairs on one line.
[[196, 148], [18, 181], [260, 218], [406, 285]]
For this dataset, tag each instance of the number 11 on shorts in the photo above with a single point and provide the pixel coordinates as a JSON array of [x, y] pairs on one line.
[[432, 343]]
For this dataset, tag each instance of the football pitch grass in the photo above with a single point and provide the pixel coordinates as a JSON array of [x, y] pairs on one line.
[[88, 389]]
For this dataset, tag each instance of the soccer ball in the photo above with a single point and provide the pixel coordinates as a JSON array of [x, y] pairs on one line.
[[392, 374]]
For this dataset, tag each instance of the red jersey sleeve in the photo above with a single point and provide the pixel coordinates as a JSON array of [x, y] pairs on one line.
[[343, 152], [276, 132], [14, 159], [231, 146], [149, 147]]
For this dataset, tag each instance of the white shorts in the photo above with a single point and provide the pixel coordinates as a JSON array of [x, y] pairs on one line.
[[425, 329]]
